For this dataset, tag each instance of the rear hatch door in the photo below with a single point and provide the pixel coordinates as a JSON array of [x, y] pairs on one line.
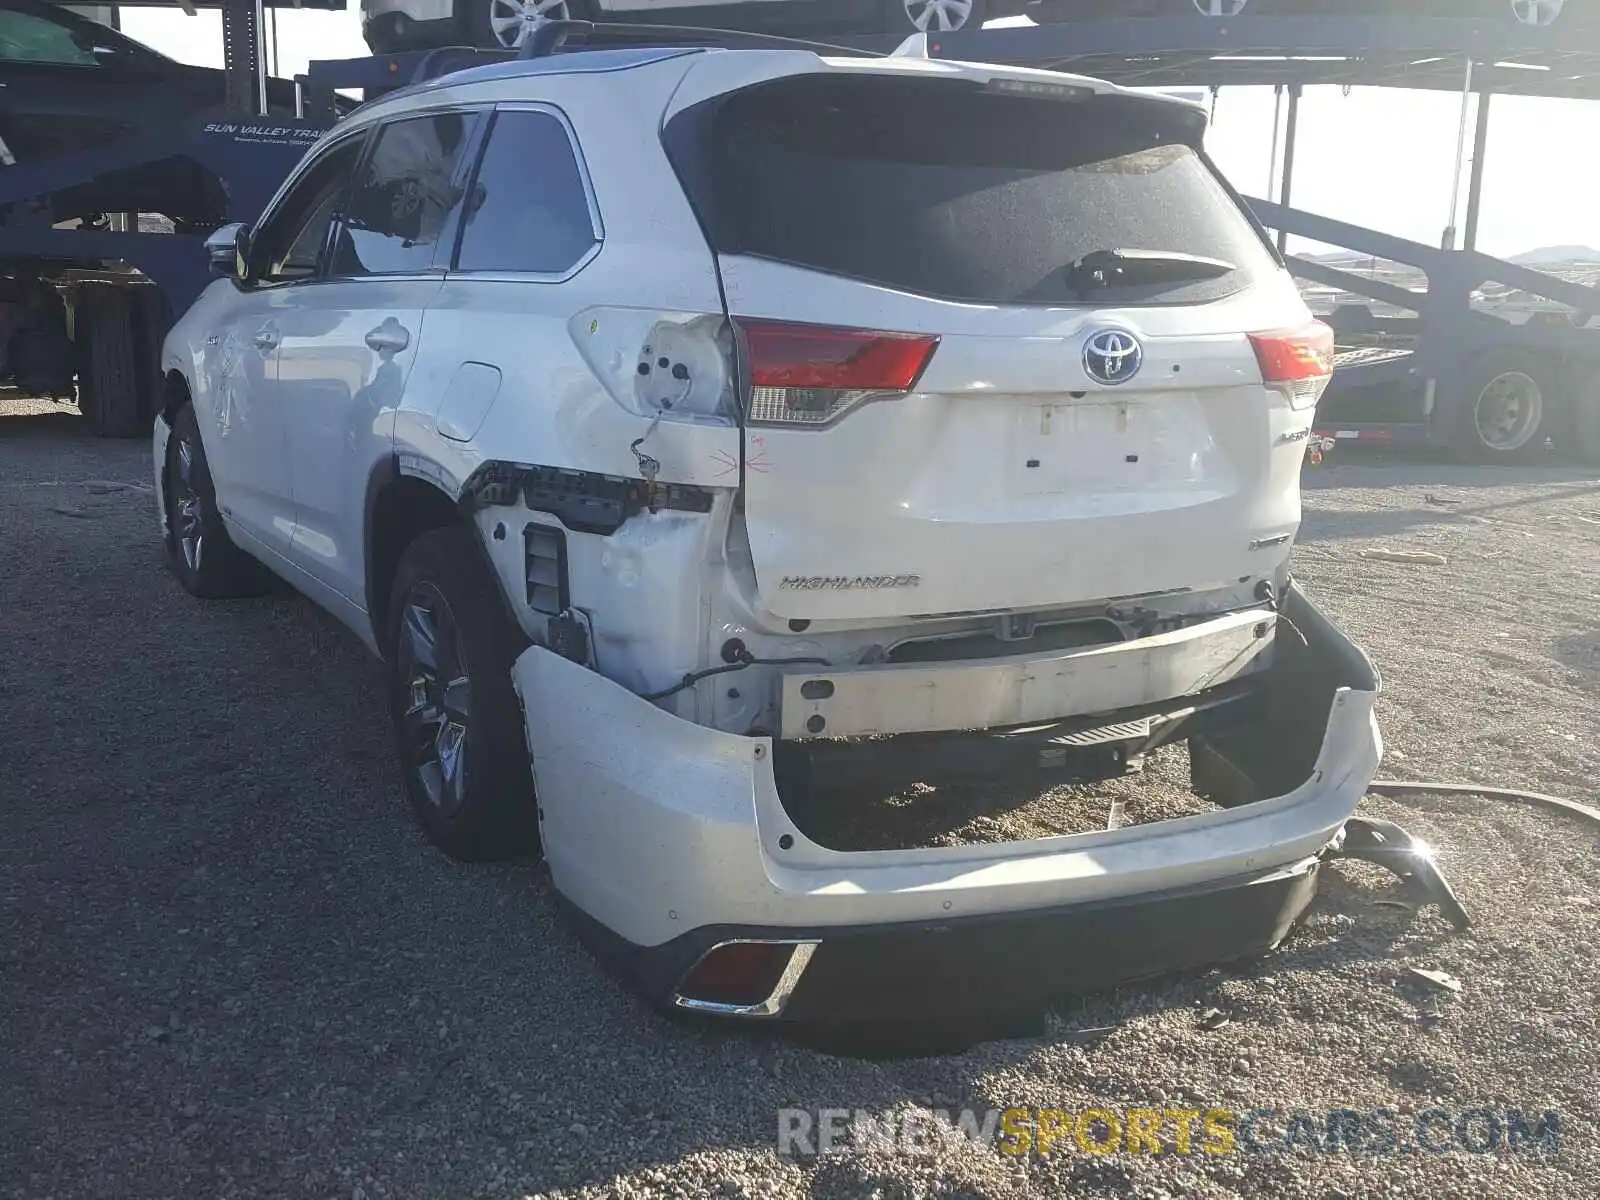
[[996, 342]]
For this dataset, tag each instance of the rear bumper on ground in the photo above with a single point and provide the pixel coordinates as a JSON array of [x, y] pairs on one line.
[[996, 963], [670, 838]]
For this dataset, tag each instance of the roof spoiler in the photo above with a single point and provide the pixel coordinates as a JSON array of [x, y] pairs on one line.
[[915, 46]]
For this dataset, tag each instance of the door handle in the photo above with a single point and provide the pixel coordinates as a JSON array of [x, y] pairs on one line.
[[389, 338], [266, 339]]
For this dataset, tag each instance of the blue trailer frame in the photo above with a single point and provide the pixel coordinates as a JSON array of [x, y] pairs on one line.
[[251, 156]]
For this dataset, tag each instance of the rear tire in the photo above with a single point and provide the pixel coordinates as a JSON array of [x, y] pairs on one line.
[[152, 318], [108, 369], [1508, 410], [457, 720], [199, 551], [1586, 420]]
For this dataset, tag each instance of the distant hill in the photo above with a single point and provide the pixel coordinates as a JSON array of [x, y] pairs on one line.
[[1547, 255]]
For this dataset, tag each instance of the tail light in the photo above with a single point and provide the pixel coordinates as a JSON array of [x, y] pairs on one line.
[[814, 374], [1296, 362]]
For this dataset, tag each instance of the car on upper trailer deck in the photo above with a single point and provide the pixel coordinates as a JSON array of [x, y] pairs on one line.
[[394, 25]]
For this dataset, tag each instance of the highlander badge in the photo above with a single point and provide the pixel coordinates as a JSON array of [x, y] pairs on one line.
[[848, 583]]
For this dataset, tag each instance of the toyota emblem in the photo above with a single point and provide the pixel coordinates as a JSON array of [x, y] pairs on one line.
[[1112, 356]]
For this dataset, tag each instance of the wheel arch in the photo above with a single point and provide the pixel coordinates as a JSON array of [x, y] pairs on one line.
[[175, 393], [399, 508]]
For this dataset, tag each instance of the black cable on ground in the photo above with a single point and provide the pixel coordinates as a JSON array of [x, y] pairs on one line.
[[1395, 787]]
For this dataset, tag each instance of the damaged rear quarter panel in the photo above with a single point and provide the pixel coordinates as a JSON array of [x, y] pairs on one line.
[[645, 585], [551, 409]]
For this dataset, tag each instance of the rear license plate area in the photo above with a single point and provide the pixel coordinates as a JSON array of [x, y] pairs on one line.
[[1083, 446]]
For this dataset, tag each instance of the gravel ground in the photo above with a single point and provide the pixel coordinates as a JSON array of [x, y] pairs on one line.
[[1008, 809], [229, 967]]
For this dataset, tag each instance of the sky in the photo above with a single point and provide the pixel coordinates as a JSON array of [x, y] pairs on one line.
[[1378, 157]]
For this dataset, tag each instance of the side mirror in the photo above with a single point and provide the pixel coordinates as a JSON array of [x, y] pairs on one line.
[[228, 250]]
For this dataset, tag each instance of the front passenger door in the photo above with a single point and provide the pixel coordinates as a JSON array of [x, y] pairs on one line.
[[240, 415], [348, 342]]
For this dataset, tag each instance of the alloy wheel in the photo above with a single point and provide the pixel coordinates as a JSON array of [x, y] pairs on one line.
[[438, 696], [513, 21], [939, 16], [1536, 12]]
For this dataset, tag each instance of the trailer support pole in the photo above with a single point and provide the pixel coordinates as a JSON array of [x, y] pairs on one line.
[[1288, 160], [1449, 240], [1480, 147], [242, 64], [1277, 126], [261, 61]]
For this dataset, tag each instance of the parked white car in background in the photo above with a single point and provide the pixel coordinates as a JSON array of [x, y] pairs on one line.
[[393, 25], [693, 421]]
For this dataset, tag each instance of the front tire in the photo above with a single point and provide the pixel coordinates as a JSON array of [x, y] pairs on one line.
[[199, 551], [457, 721], [906, 17]]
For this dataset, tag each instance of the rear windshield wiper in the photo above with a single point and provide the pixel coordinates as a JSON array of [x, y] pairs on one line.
[[1130, 268]]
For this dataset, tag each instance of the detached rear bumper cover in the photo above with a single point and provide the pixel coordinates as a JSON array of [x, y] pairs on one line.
[[669, 837]]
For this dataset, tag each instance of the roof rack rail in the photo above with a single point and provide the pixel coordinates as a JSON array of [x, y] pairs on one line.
[[413, 67], [442, 60]]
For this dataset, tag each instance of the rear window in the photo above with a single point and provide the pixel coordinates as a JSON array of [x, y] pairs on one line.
[[528, 211], [948, 189]]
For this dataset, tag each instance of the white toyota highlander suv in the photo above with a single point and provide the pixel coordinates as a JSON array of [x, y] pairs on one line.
[[683, 426]]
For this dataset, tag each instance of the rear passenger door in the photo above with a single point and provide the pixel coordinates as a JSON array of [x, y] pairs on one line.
[[347, 345], [529, 226]]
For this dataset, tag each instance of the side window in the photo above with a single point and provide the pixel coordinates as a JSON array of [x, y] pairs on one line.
[[289, 245], [407, 199], [25, 38], [528, 209]]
